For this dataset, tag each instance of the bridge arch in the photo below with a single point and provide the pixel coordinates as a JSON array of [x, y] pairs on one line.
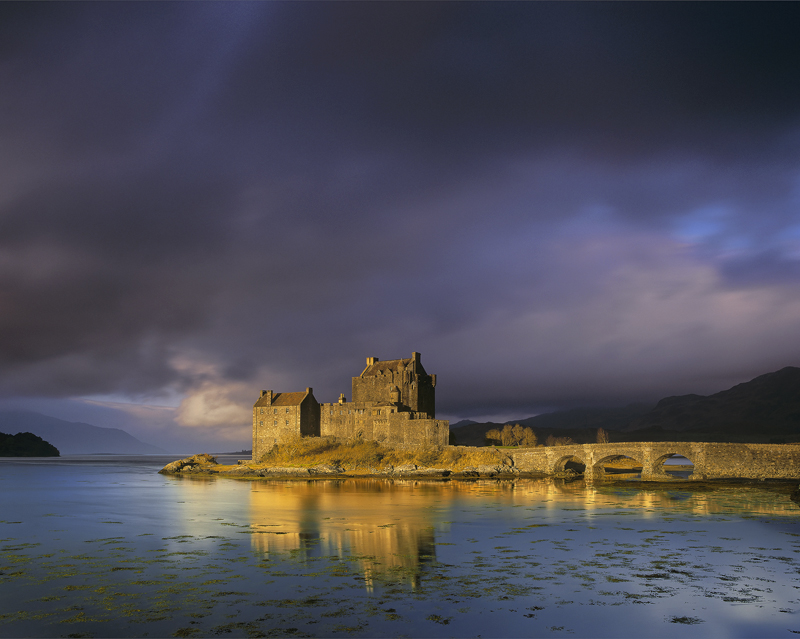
[[570, 461], [660, 468], [602, 462]]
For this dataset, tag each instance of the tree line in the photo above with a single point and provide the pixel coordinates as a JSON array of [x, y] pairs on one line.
[[524, 437]]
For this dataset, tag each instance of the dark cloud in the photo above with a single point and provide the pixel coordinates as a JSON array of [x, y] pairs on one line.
[[556, 203]]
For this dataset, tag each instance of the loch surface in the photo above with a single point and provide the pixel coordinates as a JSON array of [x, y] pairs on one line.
[[105, 546]]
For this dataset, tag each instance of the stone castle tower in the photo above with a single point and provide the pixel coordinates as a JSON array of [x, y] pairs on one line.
[[393, 403], [400, 382]]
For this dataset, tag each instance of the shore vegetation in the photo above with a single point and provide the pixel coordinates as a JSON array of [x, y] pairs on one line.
[[367, 456]]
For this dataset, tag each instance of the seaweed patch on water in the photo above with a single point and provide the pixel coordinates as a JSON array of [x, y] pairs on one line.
[[689, 621]]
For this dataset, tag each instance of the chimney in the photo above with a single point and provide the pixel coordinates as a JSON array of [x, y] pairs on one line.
[[372, 360], [309, 390], [416, 358]]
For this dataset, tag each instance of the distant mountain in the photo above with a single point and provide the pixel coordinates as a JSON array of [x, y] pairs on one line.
[[75, 438], [765, 409], [25, 445], [616, 418], [463, 422]]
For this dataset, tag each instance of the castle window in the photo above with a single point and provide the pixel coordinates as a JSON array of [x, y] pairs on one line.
[[287, 422], [275, 423], [274, 411], [262, 423]]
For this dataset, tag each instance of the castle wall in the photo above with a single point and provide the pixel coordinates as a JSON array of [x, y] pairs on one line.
[[384, 424], [350, 420], [273, 424], [416, 391], [425, 399], [309, 417], [376, 388], [400, 431]]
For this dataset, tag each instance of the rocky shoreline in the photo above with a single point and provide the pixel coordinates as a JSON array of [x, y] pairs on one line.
[[204, 464]]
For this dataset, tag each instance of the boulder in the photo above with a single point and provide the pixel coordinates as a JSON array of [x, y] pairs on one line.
[[326, 469], [242, 471], [469, 471], [405, 468], [196, 463], [418, 471], [490, 471], [283, 472]]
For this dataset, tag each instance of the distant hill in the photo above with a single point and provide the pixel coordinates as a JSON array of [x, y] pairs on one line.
[[765, 409], [25, 445], [75, 438]]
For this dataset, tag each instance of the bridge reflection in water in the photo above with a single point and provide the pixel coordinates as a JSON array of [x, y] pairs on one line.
[[390, 527]]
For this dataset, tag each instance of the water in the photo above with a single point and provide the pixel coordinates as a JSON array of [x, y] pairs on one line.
[[104, 546]]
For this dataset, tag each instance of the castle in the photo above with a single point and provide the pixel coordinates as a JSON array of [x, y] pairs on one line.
[[393, 403]]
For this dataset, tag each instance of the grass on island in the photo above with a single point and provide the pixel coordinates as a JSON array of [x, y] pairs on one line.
[[369, 456]]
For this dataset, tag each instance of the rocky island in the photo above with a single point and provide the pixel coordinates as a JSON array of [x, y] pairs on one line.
[[330, 457], [390, 430]]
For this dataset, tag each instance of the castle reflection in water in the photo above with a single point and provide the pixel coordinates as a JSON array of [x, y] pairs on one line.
[[389, 526]]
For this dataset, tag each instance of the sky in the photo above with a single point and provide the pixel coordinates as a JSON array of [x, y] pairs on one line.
[[556, 204]]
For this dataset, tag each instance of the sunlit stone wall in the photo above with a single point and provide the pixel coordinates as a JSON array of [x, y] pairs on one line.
[[383, 424]]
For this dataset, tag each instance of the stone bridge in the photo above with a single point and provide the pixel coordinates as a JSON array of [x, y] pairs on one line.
[[711, 460]]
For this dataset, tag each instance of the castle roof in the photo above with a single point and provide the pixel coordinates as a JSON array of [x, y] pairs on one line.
[[283, 399], [393, 366]]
